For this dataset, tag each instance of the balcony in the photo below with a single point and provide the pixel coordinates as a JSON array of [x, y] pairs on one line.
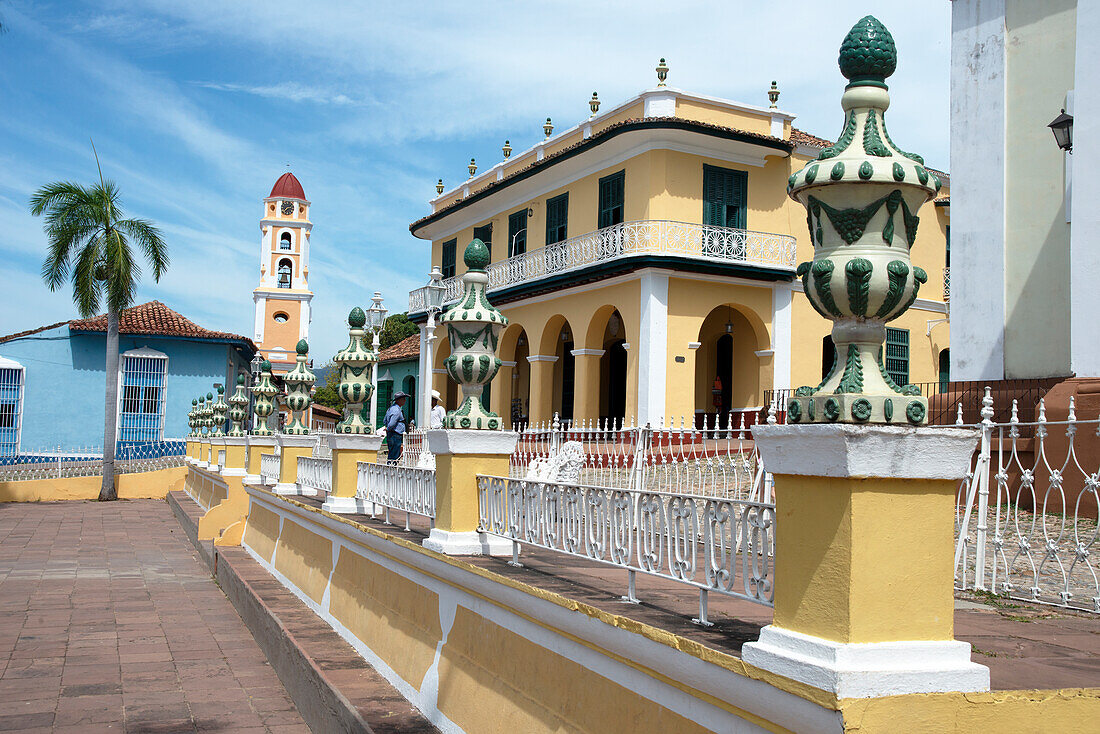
[[699, 242], [946, 285]]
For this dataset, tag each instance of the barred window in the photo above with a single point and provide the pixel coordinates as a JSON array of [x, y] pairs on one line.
[[141, 398], [11, 406]]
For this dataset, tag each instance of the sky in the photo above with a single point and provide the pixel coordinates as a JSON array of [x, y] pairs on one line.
[[197, 107]]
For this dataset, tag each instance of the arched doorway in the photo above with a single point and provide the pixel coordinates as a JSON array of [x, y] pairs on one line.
[[610, 338], [945, 368], [727, 368]]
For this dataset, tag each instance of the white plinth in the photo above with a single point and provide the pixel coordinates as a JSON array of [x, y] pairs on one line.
[[261, 440], [470, 441], [286, 488], [295, 441], [253, 479], [354, 441], [867, 670], [304, 491], [471, 543], [233, 472], [347, 506]]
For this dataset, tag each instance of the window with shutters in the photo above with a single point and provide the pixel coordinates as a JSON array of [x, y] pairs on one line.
[[141, 397], [11, 406], [385, 398], [448, 264], [611, 199], [897, 355], [945, 369], [485, 234], [557, 219], [725, 193], [517, 233]]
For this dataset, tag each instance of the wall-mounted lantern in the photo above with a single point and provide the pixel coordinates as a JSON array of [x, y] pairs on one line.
[[1062, 127]]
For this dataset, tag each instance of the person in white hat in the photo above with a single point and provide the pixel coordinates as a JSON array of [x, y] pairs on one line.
[[438, 411]]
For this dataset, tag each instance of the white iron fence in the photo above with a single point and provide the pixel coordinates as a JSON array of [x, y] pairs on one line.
[[702, 242], [1026, 522], [315, 473], [85, 462], [405, 488], [715, 462], [269, 468], [715, 545]]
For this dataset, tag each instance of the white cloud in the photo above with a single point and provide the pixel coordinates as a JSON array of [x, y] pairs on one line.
[[287, 91]]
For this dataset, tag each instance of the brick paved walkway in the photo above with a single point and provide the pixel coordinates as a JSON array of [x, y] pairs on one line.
[[109, 622]]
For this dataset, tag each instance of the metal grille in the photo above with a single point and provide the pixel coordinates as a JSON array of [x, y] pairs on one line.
[[141, 399], [897, 355], [11, 409]]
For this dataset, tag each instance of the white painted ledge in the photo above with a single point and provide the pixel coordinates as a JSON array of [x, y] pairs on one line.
[[470, 543], [867, 670], [470, 441], [347, 506], [296, 442], [866, 451], [354, 441]]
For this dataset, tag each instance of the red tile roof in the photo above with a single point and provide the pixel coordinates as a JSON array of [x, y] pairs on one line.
[[405, 349], [325, 411], [156, 319], [287, 186], [28, 332], [801, 137]]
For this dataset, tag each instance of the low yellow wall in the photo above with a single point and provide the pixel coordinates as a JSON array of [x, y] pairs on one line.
[[144, 485]]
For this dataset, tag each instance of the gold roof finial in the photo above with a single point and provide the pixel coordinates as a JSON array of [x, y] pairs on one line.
[[548, 127], [472, 168], [594, 104], [662, 73], [439, 186], [773, 96], [507, 149]]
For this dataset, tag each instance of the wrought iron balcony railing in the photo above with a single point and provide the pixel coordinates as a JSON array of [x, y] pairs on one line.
[[946, 285], [702, 242]]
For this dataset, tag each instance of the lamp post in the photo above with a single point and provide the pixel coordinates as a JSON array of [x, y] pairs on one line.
[[436, 293], [1062, 127], [376, 319], [254, 368]]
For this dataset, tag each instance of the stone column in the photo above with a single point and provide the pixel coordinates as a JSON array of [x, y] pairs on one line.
[[586, 384], [290, 448], [864, 541], [541, 409], [348, 449]]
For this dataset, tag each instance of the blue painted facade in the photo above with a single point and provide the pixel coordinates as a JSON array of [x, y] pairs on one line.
[[64, 382]]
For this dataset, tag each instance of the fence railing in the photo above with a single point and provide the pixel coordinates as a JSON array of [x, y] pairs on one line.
[[715, 545], [85, 462], [315, 473], [629, 239], [1026, 522], [269, 468], [392, 487], [715, 462]]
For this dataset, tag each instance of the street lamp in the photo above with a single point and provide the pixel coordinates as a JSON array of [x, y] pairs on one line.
[[254, 368], [376, 319], [1062, 127], [436, 292]]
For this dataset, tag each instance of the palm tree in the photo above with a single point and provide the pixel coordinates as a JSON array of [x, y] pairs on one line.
[[90, 243]]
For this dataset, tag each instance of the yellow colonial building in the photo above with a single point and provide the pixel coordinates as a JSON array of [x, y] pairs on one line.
[[645, 258]]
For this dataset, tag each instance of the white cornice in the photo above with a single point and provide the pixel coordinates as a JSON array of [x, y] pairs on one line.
[[287, 224], [280, 294], [542, 358]]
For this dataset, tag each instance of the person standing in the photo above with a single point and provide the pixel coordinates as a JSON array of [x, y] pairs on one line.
[[394, 421], [438, 411]]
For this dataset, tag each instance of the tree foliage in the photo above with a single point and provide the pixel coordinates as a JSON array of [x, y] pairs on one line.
[[325, 394], [396, 329]]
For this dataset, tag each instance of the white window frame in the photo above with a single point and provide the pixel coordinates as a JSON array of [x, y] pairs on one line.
[[141, 353], [10, 364]]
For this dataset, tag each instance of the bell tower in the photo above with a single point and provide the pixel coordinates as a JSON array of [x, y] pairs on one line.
[[283, 296]]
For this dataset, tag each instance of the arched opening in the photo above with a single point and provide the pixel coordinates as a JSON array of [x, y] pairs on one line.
[[441, 381], [556, 346], [286, 269], [727, 369], [945, 368], [613, 364], [514, 385], [285, 242]]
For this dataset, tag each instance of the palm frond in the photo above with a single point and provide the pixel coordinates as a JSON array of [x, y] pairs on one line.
[[87, 287], [56, 194], [149, 239]]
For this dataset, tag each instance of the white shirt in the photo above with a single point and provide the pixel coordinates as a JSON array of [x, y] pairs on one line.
[[437, 416]]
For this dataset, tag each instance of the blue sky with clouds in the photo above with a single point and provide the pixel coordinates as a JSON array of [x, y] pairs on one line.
[[196, 107]]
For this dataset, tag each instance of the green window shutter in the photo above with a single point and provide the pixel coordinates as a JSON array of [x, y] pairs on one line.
[[612, 190], [385, 397], [485, 234], [945, 369], [947, 254], [725, 196], [517, 233], [897, 355], [448, 264], [557, 219]]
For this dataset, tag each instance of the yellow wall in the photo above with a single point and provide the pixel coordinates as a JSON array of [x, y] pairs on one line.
[[283, 335], [153, 484], [716, 114]]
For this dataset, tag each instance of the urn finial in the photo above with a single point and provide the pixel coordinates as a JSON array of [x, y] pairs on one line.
[[219, 409], [862, 195], [298, 383], [238, 409], [354, 362], [265, 392]]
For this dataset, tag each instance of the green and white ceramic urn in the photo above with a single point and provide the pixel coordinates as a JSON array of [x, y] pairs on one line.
[[299, 381], [474, 328], [208, 415], [192, 418], [861, 196], [265, 392], [355, 388], [238, 409], [219, 410]]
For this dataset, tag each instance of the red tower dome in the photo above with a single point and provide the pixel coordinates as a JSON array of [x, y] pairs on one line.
[[287, 187]]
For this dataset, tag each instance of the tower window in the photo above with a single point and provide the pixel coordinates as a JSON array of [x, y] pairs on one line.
[[284, 241], [281, 318], [285, 271]]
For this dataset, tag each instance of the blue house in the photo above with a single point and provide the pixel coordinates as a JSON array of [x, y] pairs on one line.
[[52, 379]]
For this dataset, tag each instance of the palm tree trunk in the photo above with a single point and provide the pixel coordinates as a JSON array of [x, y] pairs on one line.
[[110, 410]]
